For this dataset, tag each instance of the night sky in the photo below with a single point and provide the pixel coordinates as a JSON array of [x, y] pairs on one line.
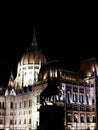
[[69, 35]]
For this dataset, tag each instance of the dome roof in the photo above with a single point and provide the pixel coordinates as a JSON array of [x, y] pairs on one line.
[[33, 55]]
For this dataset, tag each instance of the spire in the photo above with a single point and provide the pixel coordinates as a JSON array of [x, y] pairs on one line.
[[34, 41], [11, 80], [10, 89]]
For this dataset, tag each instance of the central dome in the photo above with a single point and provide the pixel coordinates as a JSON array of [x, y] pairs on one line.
[[29, 66], [33, 55]]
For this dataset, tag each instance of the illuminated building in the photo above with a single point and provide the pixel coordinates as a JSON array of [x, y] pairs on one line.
[[20, 102]]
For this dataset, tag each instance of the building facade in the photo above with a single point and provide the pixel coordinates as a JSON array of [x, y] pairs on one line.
[[20, 101]]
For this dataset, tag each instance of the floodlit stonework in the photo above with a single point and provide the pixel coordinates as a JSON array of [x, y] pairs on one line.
[[20, 101]]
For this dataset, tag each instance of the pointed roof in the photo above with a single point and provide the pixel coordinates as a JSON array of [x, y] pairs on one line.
[[34, 41], [11, 80], [33, 54]]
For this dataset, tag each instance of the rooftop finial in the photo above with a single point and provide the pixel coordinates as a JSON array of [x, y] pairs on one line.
[[34, 41]]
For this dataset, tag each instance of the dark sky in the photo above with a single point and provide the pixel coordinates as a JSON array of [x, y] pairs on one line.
[[69, 35]]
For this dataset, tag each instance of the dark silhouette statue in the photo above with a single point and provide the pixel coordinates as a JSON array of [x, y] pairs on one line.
[[52, 89], [51, 116]]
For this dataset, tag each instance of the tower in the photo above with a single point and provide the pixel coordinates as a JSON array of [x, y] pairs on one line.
[[29, 65]]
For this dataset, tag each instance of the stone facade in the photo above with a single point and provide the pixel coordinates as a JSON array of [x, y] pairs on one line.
[[20, 101]]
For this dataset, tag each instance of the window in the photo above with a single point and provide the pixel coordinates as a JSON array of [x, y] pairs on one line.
[[30, 103], [30, 111], [25, 103], [11, 105], [75, 119], [92, 85], [69, 118], [11, 121], [11, 113], [94, 119], [82, 108], [88, 119], [15, 122], [24, 121], [19, 121], [88, 109], [36, 67], [69, 107], [75, 97], [1, 122], [81, 98], [19, 104], [87, 99], [30, 67], [93, 109], [68, 96], [93, 101], [81, 118], [30, 121], [3, 105], [38, 98], [75, 108]]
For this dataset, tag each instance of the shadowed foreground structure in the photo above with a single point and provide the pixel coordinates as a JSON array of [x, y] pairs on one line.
[[51, 117]]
